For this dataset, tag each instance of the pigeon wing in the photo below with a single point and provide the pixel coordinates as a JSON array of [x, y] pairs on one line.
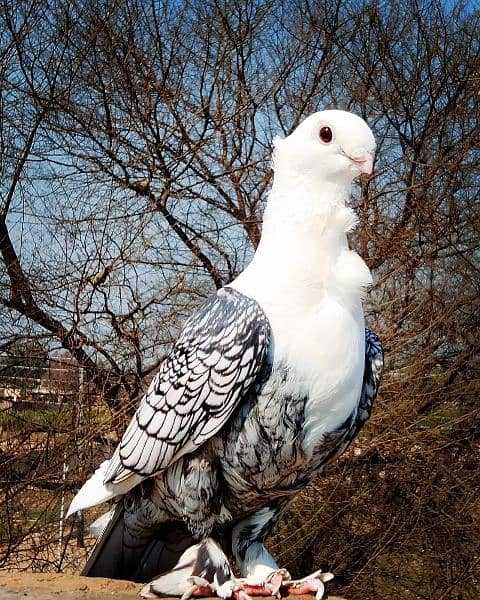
[[217, 357], [372, 376]]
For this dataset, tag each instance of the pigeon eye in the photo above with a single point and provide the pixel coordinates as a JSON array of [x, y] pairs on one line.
[[326, 135]]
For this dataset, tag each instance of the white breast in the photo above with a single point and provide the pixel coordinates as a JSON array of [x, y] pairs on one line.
[[318, 330], [324, 348], [311, 286]]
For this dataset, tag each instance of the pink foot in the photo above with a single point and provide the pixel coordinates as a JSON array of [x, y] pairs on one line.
[[312, 584], [201, 588], [268, 588], [198, 591]]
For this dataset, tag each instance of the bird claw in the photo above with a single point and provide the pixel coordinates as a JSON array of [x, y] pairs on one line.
[[279, 582], [241, 589], [203, 571], [311, 584], [201, 588], [270, 587], [198, 591]]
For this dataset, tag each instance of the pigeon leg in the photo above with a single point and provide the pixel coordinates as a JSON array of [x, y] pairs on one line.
[[312, 584], [261, 576], [202, 570]]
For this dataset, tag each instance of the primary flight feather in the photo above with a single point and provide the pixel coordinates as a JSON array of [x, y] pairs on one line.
[[269, 381]]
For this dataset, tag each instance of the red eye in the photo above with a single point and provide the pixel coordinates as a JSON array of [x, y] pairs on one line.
[[326, 135]]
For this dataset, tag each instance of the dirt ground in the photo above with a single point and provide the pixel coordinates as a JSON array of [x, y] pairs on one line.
[[52, 586]]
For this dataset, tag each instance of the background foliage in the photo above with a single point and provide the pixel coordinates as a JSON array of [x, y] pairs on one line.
[[135, 162]]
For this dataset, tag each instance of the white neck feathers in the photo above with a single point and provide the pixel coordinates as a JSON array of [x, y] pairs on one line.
[[303, 250]]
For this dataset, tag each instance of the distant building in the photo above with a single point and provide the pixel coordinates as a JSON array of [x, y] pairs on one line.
[[60, 381]]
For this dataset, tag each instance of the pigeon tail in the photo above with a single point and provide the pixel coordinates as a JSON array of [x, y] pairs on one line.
[[134, 554], [94, 491]]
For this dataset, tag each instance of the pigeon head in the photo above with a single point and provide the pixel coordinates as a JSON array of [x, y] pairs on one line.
[[332, 145]]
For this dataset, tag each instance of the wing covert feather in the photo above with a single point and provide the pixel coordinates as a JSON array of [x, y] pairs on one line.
[[217, 357], [372, 375]]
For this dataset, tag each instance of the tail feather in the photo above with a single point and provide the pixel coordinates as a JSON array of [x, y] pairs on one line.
[[95, 490], [161, 555], [103, 560], [100, 524], [119, 555]]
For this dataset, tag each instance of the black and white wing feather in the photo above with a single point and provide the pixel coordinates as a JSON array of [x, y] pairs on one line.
[[372, 376], [217, 357]]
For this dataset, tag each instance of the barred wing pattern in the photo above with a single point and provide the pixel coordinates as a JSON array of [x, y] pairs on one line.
[[217, 357]]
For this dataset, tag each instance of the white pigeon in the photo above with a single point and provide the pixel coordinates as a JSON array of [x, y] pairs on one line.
[[269, 381]]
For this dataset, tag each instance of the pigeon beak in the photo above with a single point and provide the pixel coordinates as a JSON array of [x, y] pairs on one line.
[[364, 162]]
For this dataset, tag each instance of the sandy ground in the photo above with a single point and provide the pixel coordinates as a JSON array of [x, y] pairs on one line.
[[52, 586]]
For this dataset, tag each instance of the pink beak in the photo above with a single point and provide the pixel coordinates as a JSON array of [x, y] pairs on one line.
[[365, 164]]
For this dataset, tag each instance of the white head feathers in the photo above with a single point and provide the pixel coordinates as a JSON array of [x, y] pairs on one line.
[[331, 145], [314, 167]]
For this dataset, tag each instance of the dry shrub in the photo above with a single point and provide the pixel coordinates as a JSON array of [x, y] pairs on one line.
[[398, 515]]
